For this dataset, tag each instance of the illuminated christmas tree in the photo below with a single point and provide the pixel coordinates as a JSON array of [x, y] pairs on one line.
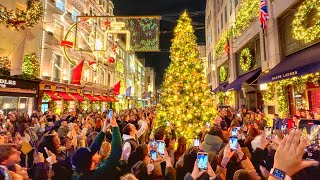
[[30, 66], [185, 101]]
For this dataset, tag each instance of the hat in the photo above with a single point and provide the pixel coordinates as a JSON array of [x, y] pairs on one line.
[[81, 160]]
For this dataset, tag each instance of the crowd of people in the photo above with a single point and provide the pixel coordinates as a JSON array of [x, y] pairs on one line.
[[128, 145]]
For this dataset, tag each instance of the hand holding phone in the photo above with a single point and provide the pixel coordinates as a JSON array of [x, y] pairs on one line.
[[233, 143], [153, 155], [234, 132], [202, 158], [196, 142], [110, 114]]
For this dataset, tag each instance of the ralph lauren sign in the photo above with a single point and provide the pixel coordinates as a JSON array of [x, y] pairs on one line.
[[284, 75]]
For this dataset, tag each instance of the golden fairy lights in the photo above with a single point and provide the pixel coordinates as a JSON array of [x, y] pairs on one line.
[[301, 29], [245, 59], [185, 101]]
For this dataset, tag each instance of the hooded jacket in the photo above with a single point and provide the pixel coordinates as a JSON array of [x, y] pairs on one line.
[[213, 143]]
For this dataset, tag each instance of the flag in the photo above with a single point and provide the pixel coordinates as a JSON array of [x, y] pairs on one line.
[[116, 88], [128, 91], [67, 44], [227, 47], [16, 57], [264, 15], [76, 74]]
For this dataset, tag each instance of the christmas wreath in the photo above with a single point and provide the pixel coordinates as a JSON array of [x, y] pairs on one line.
[[29, 17], [245, 59], [223, 73], [300, 30]]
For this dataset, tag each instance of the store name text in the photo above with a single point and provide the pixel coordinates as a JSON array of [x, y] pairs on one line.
[[5, 82], [286, 75]]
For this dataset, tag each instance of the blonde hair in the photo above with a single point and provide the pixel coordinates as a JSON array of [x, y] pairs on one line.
[[105, 150], [128, 177]]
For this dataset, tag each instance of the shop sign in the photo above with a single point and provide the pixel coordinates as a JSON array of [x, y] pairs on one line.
[[5, 82], [284, 75]]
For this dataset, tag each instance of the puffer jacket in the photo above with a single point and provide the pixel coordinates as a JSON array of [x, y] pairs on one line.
[[213, 143]]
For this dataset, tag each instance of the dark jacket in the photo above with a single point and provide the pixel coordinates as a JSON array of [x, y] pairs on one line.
[[106, 168], [213, 143]]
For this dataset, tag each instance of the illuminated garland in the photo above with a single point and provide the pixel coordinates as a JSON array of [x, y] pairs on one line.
[[268, 95], [223, 73], [29, 17], [222, 43], [300, 30], [221, 96], [46, 97], [298, 82], [245, 59], [231, 98], [248, 12]]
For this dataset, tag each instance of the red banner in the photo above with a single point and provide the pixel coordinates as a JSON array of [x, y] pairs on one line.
[[77, 72], [116, 89]]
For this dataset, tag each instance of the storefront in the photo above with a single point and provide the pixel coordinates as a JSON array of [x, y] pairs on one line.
[[18, 94]]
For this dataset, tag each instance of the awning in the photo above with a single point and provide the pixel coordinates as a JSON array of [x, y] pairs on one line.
[[52, 95], [220, 87], [237, 84], [109, 99], [100, 98], [65, 96], [90, 97], [300, 63], [77, 97], [114, 99]]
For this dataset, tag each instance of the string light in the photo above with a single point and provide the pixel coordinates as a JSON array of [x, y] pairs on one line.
[[245, 59], [185, 101]]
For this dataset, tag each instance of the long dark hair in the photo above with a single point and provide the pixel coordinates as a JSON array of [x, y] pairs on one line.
[[48, 142], [138, 155]]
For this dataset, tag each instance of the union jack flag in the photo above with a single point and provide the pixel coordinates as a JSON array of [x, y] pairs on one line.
[[264, 15]]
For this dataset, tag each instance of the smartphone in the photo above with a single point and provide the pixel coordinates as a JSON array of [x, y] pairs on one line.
[[234, 132], [208, 124], [161, 147], [233, 143], [202, 160], [268, 132], [283, 127], [153, 143], [196, 142], [311, 130], [153, 155], [110, 113]]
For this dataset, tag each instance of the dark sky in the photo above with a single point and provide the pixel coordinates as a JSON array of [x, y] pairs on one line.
[[164, 8]]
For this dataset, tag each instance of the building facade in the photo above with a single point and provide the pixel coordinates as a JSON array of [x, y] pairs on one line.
[[251, 64]]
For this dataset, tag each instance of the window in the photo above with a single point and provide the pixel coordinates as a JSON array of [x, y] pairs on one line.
[[58, 31], [75, 13], [60, 4], [44, 106], [56, 67], [109, 79]]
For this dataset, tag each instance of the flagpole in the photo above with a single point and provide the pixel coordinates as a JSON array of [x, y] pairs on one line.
[[264, 45]]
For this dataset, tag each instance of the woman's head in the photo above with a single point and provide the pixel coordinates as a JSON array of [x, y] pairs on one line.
[[140, 154], [215, 131], [182, 144], [51, 142], [189, 159]]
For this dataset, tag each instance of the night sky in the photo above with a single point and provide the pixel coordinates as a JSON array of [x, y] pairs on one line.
[[169, 10]]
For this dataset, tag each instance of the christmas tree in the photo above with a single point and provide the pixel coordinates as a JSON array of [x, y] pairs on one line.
[[185, 101], [30, 66]]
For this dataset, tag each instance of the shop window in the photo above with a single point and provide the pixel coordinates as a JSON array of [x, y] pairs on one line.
[[56, 66], [44, 106]]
